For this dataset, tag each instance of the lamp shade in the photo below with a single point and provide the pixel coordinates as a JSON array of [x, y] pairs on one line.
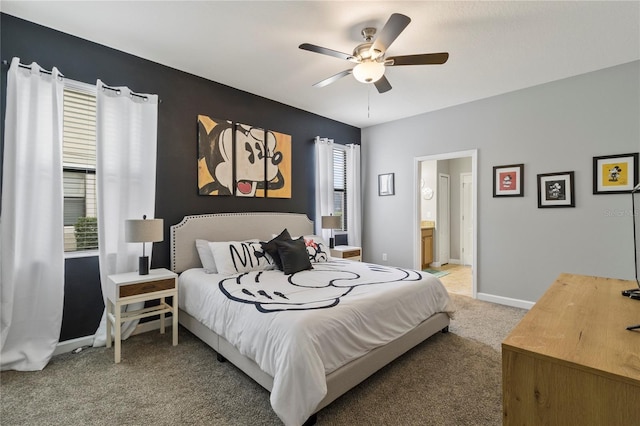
[[331, 222], [143, 230], [368, 72]]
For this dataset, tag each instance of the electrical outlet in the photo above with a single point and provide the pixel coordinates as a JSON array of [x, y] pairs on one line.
[[384, 256]]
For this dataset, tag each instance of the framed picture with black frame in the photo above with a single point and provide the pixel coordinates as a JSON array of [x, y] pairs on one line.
[[508, 181], [386, 184], [615, 174], [556, 190]]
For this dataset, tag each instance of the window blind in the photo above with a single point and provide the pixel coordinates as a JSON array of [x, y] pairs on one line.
[[79, 167], [340, 185]]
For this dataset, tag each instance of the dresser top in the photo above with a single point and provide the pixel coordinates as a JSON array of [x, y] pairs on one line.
[[581, 320]]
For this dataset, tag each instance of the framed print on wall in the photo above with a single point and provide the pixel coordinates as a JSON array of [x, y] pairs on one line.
[[556, 190], [615, 174], [508, 181], [386, 184]]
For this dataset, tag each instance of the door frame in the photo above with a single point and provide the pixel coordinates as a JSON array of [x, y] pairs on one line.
[[462, 232], [439, 240], [473, 153]]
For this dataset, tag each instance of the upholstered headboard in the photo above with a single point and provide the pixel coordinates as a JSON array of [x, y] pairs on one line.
[[229, 227]]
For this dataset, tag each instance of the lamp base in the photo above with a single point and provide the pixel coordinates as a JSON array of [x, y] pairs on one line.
[[143, 265], [332, 242]]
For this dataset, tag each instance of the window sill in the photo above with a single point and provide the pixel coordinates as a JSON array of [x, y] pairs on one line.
[[83, 253]]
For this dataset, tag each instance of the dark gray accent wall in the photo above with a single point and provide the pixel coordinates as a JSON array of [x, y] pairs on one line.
[[183, 96]]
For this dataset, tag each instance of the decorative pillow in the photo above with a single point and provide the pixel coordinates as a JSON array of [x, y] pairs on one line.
[[294, 256], [234, 257], [317, 250], [206, 257], [271, 248]]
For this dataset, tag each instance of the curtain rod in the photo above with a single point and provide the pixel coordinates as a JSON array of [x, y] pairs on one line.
[[28, 67], [104, 86], [115, 89]]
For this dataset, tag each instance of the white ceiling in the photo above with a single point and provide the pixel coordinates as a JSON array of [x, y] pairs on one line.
[[494, 47]]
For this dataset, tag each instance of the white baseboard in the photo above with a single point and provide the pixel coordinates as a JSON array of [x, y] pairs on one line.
[[451, 261], [516, 303], [73, 344]]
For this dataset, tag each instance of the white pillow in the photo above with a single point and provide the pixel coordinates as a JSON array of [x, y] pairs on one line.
[[317, 249], [206, 257], [234, 257]]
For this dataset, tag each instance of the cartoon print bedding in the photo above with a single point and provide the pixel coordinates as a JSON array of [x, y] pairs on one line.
[[300, 327]]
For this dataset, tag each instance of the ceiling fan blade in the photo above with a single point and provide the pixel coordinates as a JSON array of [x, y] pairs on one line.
[[325, 51], [391, 30], [382, 85], [423, 59], [333, 78]]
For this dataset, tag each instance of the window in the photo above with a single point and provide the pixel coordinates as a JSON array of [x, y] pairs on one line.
[[340, 184], [79, 167]]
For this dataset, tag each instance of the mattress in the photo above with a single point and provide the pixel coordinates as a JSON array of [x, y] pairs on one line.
[[300, 327]]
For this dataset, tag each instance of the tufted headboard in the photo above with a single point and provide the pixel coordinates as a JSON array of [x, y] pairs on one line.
[[229, 227]]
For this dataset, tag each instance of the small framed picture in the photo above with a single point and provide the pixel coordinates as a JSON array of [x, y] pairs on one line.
[[385, 184], [556, 190], [508, 181], [615, 174]]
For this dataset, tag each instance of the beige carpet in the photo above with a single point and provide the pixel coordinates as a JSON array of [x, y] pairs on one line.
[[451, 379]]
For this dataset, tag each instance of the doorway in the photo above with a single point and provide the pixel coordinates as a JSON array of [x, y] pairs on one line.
[[457, 253]]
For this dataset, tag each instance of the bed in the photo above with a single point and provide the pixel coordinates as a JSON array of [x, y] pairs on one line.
[[281, 338]]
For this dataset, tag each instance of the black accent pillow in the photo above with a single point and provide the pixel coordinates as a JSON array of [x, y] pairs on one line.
[[294, 256], [271, 248]]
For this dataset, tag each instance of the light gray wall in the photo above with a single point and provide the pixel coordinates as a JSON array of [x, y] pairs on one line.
[[555, 127]]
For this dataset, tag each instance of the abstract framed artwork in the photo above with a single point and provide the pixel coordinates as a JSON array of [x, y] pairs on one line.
[[615, 174], [278, 168], [508, 181], [249, 161], [215, 156], [386, 184], [242, 160], [556, 190]]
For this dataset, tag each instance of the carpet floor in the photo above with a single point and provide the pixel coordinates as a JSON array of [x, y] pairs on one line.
[[450, 379]]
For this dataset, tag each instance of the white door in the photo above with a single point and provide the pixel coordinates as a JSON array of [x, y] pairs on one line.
[[442, 222], [466, 220]]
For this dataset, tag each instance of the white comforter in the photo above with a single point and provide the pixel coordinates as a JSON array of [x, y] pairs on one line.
[[300, 327]]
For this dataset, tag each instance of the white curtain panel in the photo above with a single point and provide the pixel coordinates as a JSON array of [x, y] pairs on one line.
[[354, 196], [126, 127], [31, 220], [324, 183]]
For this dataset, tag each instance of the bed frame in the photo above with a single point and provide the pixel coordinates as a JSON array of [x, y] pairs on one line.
[[243, 226]]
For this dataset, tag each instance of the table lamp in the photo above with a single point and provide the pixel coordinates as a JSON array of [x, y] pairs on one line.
[[331, 222], [143, 231]]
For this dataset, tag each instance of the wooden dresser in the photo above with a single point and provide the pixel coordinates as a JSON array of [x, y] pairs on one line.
[[571, 361]]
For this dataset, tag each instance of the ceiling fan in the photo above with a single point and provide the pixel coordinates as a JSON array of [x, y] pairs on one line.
[[369, 56]]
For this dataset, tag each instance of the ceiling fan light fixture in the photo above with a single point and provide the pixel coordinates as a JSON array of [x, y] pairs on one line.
[[368, 72]]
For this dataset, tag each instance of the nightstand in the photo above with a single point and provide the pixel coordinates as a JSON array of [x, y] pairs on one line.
[[130, 287], [347, 252]]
